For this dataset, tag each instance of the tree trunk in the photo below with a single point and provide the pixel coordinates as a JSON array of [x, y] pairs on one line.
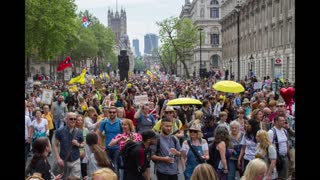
[[185, 68], [27, 68]]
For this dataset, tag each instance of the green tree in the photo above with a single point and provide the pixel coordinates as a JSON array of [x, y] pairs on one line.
[[179, 34], [139, 64], [48, 24]]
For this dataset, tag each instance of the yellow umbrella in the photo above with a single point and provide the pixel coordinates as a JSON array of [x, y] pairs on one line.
[[228, 86], [184, 101]]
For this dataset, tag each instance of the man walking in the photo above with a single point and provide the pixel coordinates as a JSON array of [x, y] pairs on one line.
[[70, 139], [165, 153], [138, 166]]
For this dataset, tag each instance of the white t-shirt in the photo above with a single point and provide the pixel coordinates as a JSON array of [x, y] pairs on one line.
[[204, 144], [251, 146], [41, 127], [27, 124], [282, 140], [89, 124]]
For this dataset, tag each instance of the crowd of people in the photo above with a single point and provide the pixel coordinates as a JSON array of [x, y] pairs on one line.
[[249, 134]]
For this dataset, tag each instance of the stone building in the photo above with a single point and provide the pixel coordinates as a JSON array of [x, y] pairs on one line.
[[267, 38], [118, 23], [206, 15]]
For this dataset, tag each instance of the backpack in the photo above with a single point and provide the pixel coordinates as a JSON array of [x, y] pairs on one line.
[[214, 156], [175, 141], [124, 154], [105, 125]]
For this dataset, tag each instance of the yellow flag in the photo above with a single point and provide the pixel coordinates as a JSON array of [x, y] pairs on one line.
[[80, 79], [100, 76], [92, 81], [73, 88], [150, 74], [107, 76]]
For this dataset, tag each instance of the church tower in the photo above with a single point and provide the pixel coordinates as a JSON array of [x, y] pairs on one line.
[[118, 23]]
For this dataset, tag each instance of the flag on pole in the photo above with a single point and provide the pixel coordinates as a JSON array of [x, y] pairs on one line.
[[80, 79], [107, 76], [64, 64], [150, 74], [85, 22]]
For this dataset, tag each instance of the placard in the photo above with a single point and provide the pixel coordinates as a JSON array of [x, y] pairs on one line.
[[140, 99], [257, 85], [47, 95]]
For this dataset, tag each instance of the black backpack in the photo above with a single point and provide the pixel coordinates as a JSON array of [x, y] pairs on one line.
[[124, 153], [214, 156]]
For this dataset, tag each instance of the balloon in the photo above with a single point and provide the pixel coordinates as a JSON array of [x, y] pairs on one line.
[[287, 94]]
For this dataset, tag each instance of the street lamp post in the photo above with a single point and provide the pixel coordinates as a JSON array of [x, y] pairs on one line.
[[200, 67], [238, 36], [230, 63], [251, 60]]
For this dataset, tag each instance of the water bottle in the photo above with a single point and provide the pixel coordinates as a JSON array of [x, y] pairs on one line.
[[172, 157]]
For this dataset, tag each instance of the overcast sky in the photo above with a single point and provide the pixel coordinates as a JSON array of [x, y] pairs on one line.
[[142, 15]]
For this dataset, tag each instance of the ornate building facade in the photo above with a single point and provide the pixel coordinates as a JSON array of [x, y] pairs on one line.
[[267, 38], [118, 23], [205, 15]]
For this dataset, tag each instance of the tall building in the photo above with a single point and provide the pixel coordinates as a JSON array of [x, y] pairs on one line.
[[266, 34], [118, 23], [135, 44], [206, 16], [150, 43]]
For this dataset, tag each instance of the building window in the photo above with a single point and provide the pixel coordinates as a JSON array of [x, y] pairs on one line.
[[281, 6], [202, 13], [273, 10], [289, 33], [290, 4], [214, 2], [280, 35], [42, 70], [214, 12], [288, 65], [214, 39]]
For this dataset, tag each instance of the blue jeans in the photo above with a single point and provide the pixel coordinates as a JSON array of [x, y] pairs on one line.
[[232, 164], [58, 123], [113, 156]]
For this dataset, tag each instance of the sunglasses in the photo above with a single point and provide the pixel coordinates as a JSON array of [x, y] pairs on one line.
[[169, 112], [72, 119], [112, 112], [281, 106], [193, 131]]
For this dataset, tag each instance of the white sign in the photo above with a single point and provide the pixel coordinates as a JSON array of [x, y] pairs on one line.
[[29, 84], [257, 85], [47, 96], [140, 99], [67, 76]]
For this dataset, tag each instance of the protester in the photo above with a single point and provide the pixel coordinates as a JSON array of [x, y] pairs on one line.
[[255, 170], [194, 150], [138, 167], [68, 140], [39, 163], [166, 151], [204, 171]]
